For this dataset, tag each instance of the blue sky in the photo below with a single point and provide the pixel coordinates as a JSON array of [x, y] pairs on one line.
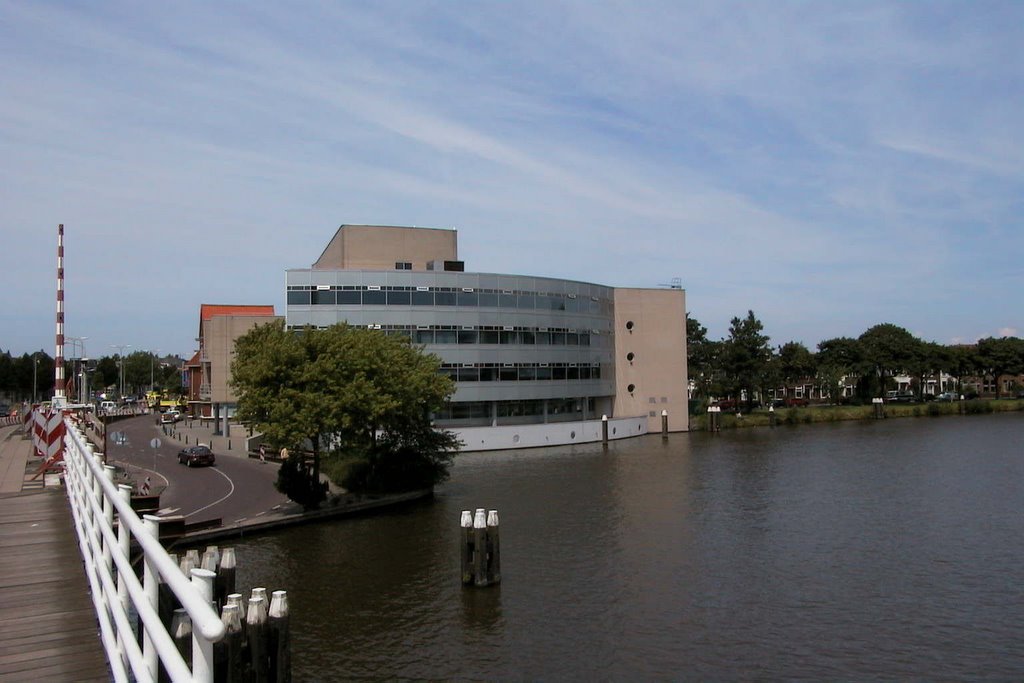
[[829, 165]]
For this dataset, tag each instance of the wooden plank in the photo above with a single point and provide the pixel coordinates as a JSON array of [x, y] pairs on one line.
[[48, 627]]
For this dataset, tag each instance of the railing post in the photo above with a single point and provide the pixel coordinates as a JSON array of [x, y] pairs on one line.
[[151, 587], [202, 647], [124, 542]]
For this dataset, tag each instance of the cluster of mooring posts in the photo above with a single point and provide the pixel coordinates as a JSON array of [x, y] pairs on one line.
[[481, 550], [257, 645]]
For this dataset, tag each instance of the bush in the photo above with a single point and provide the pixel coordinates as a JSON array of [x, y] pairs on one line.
[[296, 481]]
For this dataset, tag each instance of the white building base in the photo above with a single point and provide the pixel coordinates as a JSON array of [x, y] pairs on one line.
[[552, 434]]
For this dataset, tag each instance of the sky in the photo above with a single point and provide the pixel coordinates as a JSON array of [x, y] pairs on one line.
[[827, 165]]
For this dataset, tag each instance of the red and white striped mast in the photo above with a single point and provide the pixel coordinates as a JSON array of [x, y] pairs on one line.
[[59, 399]]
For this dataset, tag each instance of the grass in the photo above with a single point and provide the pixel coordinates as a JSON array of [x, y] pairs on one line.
[[814, 414]]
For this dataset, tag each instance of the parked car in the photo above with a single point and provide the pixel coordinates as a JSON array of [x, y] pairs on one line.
[[899, 397], [947, 397], [790, 402], [107, 406], [196, 455]]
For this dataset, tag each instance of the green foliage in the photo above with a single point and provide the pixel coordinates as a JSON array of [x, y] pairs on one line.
[[746, 356], [888, 350], [295, 481], [351, 392]]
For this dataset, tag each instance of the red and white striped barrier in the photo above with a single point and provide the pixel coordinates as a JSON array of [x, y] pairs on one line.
[[48, 436]]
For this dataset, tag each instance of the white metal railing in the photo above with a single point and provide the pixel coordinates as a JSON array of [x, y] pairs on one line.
[[115, 587]]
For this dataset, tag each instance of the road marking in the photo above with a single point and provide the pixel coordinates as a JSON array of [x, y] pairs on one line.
[[220, 500]]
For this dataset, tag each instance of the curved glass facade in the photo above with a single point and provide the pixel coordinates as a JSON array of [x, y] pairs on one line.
[[521, 349]]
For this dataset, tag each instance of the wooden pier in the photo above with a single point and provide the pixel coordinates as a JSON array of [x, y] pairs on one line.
[[48, 627]]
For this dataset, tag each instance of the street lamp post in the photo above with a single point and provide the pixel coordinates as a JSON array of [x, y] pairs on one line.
[[78, 343], [152, 362], [35, 371], [120, 356]]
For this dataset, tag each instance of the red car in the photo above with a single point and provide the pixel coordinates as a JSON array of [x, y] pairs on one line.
[[196, 455]]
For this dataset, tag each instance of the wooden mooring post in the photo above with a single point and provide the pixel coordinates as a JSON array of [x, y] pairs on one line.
[[481, 548], [879, 406], [714, 418], [664, 425]]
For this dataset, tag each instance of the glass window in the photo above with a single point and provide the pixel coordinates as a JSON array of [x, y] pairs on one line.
[[543, 373], [467, 336], [527, 337], [507, 301], [527, 374], [572, 373], [558, 338], [572, 305], [424, 336], [399, 298], [509, 337], [422, 298], [489, 337], [468, 375], [526, 301], [489, 299], [584, 339], [585, 372], [572, 339], [323, 297], [558, 372], [467, 298], [445, 337], [450, 372], [298, 298], [444, 298], [349, 297], [488, 374], [374, 297], [543, 338], [595, 372], [508, 374]]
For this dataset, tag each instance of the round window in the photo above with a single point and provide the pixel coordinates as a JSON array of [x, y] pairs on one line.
[[629, 325], [630, 388], [630, 356]]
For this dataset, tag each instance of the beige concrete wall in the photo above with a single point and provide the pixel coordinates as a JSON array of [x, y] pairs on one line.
[[657, 340], [375, 247], [219, 335]]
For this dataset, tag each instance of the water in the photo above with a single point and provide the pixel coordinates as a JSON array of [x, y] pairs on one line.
[[852, 551]]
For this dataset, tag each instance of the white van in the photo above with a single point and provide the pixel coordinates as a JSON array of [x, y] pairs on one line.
[[107, 406]]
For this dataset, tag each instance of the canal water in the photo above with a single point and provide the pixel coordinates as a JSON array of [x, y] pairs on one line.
[[890, 549]]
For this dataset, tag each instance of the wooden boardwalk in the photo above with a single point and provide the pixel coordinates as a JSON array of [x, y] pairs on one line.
[[48, 627]]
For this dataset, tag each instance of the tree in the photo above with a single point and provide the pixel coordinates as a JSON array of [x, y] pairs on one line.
[[703, 359], [888, 350], [746, 355], [347, 391], [1001, 356], [838, 361], [796, 363]]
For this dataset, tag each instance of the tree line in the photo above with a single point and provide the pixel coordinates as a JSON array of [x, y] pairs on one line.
[[32, 374], [745, 364]]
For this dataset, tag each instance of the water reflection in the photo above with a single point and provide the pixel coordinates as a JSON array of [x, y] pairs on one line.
[[842, 551]]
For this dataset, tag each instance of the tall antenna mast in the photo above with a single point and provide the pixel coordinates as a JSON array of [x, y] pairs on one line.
[[58, 363]]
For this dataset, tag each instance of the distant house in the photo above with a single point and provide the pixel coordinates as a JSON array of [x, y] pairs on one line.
[[209, 370]]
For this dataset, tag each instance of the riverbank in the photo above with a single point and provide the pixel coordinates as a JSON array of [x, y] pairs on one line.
[[832, 413]]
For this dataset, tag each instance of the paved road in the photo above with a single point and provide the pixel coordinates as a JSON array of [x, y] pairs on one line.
[[236, 489]]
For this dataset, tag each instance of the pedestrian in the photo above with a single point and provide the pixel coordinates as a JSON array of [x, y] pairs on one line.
[[284, 454], [145, 486], [263, 454]]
